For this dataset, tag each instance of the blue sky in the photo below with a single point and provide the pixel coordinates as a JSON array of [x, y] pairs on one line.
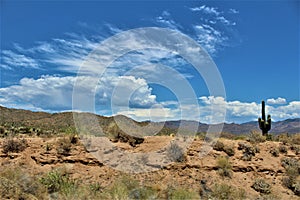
[[254, 44]]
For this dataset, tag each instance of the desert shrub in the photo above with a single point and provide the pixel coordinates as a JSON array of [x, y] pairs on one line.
[[296, 139], [290, 162], [224, 166], [295, 148], [121, 188], [227, 192], [248, 151], [2, 130], [48, 147], [260, 185], [274, 152], [14, 145], [17, 184], [177, 194], [59, 181], [219, 146], [282, 149], [256, 149], [142, 193], [64, 146], [240, 137], [291, 180], [95, 187], [284, 138], [175, 152], [73, 138], [256, 137], [296, 188], [229, 151], [242, 145]]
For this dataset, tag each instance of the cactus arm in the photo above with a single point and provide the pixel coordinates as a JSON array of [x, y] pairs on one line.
[[269, 123], [260, 123]]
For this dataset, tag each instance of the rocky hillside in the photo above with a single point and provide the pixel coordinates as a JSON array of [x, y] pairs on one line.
[[62, 168]]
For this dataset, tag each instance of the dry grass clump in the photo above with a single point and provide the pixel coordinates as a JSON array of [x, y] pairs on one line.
[[224, 166], [64, 144], [181, 193], [176, 153], [227, 192], [14, 145], [274, 152], [256, 137], [289, 139]]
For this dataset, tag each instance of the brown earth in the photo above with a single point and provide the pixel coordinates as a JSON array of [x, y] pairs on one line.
[[80, 164]]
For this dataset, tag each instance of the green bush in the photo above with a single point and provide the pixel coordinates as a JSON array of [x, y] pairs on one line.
[[57, 181]]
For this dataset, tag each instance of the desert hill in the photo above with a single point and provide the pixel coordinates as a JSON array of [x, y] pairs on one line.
[[58, 168], [42, 157], [61, 121]]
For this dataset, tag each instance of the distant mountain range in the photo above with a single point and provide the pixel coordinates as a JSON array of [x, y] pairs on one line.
[[285, 126], [64, 120]]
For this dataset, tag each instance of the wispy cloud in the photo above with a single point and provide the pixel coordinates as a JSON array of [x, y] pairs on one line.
[[11, 59], [165, 19], [207, 10], [214, 29], [210, 38], [233, 11], [225, 21]]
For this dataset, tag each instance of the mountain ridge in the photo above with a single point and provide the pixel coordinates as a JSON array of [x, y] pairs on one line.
[[64, 120]]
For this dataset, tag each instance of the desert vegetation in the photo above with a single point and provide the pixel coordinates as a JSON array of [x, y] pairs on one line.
[[40, 161]]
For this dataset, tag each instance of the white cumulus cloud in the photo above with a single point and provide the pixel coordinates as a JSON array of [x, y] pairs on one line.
[[55, 93], [279, 100]]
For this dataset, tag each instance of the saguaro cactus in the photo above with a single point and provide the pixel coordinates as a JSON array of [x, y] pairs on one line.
[[264, 125]]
